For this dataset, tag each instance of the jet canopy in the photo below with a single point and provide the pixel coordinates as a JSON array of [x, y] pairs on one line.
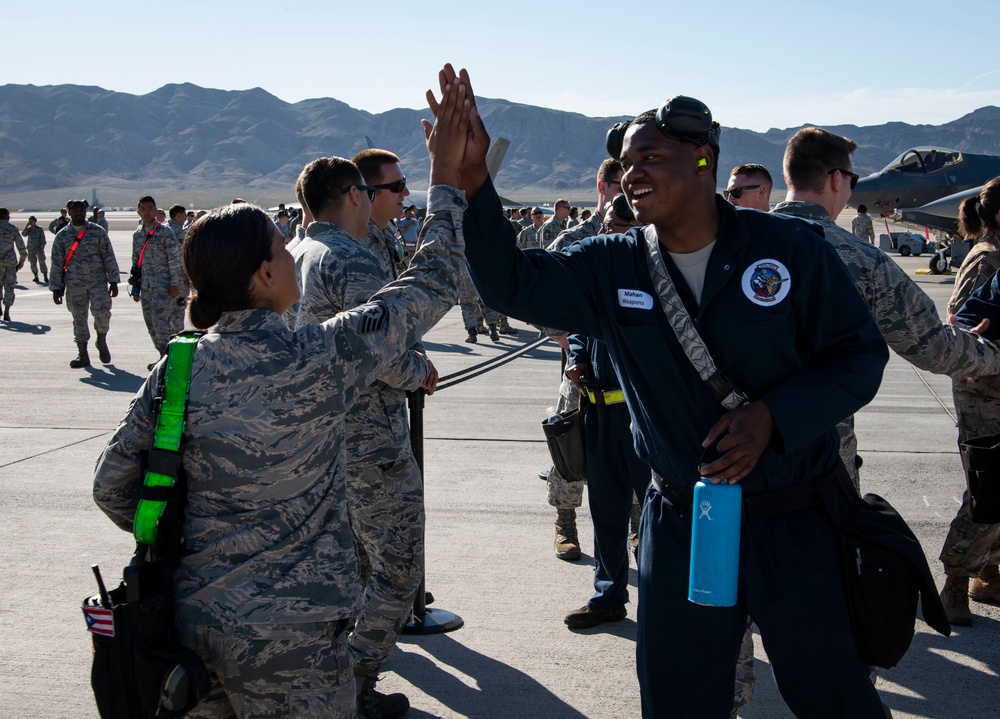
[[924, 160]]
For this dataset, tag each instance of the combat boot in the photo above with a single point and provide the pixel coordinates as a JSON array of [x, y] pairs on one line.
[[34, 278], [493, 332], [504, 328], [376, 705], [986, 587], [481, 329], [472, 335], [6, 314], [45, 278], [567, 541], [955, 598], [102, 348], [82, 358]]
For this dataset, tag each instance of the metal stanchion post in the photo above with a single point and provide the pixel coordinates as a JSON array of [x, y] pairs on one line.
[[424, 619]]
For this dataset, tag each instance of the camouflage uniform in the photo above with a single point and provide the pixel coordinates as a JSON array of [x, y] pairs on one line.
[[185, 286], [862, 227], [565, 494], [103, 223], [905, 315], [10, 239], [270, 557], [549, 231], [472, 306], [384, 485], [36, 249], [56, 226], [527, 238], [970, 546], [161, 269], [85, 281]]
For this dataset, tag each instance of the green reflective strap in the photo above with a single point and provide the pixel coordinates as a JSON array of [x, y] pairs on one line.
[[169, 429]]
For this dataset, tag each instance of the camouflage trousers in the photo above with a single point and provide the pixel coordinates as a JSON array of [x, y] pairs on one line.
[[473, 307], [8, 278], [96, 298], [281, 670], [745, 677], [564, 494], [164, 317], [970, 546], [36, 257], [387, 516]]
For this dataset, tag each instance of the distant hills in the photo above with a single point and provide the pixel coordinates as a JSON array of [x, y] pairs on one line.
[[201, 146]]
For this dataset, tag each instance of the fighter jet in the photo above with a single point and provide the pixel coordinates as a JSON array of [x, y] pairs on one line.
[[942, 214], [921, 175]]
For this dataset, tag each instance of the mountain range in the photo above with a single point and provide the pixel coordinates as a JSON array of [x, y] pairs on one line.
[[202, 146]]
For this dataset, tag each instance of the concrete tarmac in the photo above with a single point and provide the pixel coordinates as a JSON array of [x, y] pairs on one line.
[[489, 531]]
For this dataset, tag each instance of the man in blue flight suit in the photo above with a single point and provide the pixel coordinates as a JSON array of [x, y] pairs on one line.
[[803, 348]]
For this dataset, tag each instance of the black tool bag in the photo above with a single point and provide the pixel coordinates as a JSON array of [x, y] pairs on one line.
[[139, 669], [981, 459], [567, 445], [885, 572]]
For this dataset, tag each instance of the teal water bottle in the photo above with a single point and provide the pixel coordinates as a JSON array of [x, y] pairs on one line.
[[715, 544]]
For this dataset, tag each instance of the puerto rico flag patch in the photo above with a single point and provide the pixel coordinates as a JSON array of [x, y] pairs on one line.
[[99, 620]]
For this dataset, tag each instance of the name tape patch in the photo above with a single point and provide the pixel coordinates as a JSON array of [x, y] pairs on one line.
[[766, 282], [636, 299]]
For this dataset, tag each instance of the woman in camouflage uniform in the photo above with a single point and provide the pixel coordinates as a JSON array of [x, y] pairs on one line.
[[971, 550]]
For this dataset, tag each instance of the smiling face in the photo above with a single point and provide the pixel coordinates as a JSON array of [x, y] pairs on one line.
[[661, 175], [388, 205]]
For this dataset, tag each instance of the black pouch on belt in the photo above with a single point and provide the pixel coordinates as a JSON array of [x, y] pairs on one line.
[[981, 459], [567, 446]]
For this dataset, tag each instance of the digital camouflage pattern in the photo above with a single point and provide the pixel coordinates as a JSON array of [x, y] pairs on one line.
[[969, 546], [85, 281], [527, 238], [471, 305], [385, 489], [549, 231], [745, 676], [904, 313], [292, 670], [10, 239], [161, 268], [267, 534], [36, 249], [862, 227]]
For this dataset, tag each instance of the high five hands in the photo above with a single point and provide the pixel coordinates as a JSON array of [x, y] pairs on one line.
[[457, 98]]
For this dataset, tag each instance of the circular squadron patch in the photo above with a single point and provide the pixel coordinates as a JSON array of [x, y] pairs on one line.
[[766, 282]]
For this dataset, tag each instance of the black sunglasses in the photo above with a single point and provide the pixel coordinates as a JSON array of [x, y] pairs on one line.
[[397, 186], [736, 193], [364, 188], [848, 173]]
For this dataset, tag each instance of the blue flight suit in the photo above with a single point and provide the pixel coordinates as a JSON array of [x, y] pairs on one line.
[[614, 473], [812, 353]]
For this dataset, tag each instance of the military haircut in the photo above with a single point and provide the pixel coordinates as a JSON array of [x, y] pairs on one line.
[[324, 181], [146, 198], [4, 213], [752, 169], [608, 169], [980, 210], [220, 255], [175, 210], [370, 163], [811, 154]]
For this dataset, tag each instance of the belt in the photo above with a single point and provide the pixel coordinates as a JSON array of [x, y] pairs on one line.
[[601, 398], [755, 506]]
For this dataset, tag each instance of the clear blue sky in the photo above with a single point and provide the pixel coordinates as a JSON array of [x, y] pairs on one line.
[[756, 63]]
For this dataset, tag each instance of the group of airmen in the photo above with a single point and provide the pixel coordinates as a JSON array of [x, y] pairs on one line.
[[805, 351]]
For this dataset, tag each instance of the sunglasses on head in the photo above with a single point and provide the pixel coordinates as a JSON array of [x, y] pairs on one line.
[[397, 186], [736, 193]]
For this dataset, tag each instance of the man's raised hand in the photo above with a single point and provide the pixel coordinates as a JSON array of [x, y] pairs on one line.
[[446, 138], [473, 172]]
